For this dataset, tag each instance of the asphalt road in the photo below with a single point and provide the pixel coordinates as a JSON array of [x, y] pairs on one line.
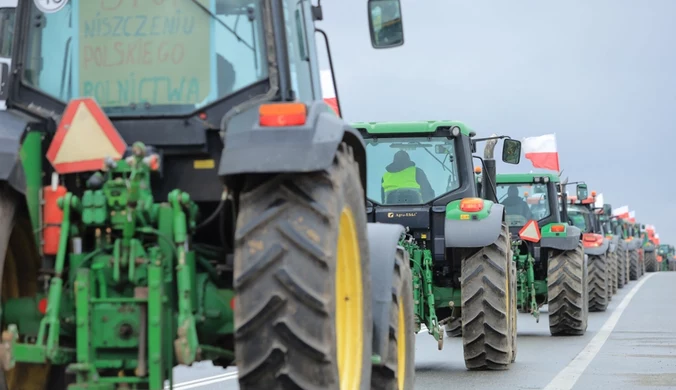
[[630, 346]]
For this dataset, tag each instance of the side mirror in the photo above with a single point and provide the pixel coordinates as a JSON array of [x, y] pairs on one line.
[[385, 23], [582, 192], [642, 227], [511, 151]]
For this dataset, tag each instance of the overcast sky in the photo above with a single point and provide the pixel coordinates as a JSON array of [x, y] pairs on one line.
[[598, 73]]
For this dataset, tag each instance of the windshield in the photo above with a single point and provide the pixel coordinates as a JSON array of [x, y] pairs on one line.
[[410, 170], [146, 57], [523, 202], [580, 218]]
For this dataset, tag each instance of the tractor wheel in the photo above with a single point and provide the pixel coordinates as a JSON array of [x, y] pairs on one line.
[[621, 267], [19, 264], [634, 265], [650, 261], [487, 310], [568, 292], [398, 372], [303, 310], [627, 264], [454, 328], [613, 276], [512, 292], [599, 282]]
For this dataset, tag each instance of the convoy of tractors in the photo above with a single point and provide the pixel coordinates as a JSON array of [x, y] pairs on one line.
[[164, 202]]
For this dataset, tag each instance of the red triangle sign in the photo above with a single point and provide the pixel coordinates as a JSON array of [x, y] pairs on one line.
[[530, 232], [84, 139]]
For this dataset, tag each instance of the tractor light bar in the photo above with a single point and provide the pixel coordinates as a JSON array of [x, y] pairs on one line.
[[471, 205], [282, 114], [558, 228]]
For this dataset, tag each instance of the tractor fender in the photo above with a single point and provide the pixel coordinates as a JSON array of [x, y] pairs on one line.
[[13, 127], [649, 247], [383, 241], [563, 243], [474, 233], [634, 244], [250, 148], [598, 250], [614, 243]]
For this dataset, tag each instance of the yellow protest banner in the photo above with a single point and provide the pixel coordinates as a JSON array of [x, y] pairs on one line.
[[144, 51]]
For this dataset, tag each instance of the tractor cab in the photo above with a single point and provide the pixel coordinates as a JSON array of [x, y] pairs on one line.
[[528, 197], [420, 174], [583, 214]]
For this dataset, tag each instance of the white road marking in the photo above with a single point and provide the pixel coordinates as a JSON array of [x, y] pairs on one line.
[[210, 380], [566, 378]]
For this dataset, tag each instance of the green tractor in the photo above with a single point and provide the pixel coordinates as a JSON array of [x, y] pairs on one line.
[[602, 261], [666, 257], [420, 175], [202, 203], [633, 241], [650, 245], [548, 252], [613, 233]]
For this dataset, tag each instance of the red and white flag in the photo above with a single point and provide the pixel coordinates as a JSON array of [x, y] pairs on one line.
[[328, 91], [621, 212], [541, 151]]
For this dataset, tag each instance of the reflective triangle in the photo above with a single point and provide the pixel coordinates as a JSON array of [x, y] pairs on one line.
[[530, 232], [85, 140]]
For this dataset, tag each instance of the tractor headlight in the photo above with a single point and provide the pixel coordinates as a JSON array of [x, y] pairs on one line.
[[455, 131]]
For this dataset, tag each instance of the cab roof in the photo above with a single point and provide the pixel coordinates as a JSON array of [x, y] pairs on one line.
[[517, 178], [411, 127]]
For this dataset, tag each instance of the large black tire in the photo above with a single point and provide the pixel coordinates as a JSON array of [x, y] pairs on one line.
[[487, 310], [19, 264], [299, 238], [454, 328], [621, 254], [627, 261], [613, 278], [650, 259], [567, 292], [634, 265], [395, 374], [512, 292], [599, 282]]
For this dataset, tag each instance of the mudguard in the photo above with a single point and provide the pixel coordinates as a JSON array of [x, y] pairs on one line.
[[599, 250], [564, 242], [13, 126], [614, 242], [477, 231], [252, 148], [634, 244], [649, 247], [383, 244]]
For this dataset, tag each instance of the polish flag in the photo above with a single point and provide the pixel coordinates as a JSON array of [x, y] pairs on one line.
[[632, 216], [621, 212], [541, 151], [598, 202], [328, 91]]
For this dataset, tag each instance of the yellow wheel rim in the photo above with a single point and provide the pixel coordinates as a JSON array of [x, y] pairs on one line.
[[349, 304], [401, 345]]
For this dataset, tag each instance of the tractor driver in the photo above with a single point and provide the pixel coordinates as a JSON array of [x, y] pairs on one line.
[[515, 205], [403, 174]]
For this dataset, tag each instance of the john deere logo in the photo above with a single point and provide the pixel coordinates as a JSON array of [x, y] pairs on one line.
[[390, 215]]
